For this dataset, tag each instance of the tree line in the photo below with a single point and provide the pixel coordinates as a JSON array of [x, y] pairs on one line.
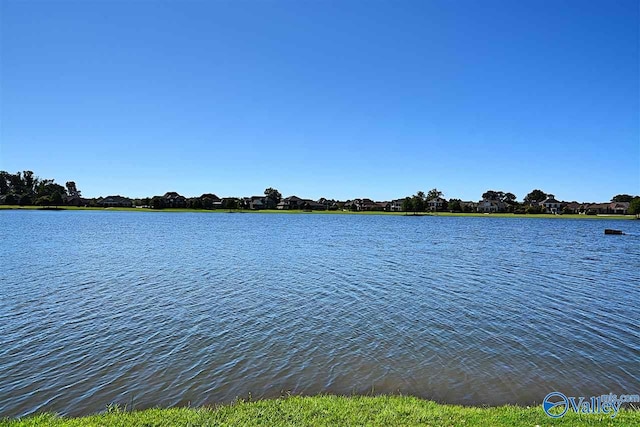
[[25, 189]]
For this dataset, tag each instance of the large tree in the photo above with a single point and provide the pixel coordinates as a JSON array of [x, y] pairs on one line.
[[634, 206], [418, 202], [455, 205], [434, 193], [273, 194], [535, 196], [492, 195], [72, 190], [509, 198], [620, 198], [407, 204]]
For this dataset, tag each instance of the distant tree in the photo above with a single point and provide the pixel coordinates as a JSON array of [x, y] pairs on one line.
[[535, 196], [509, 198], [56, 198], [230, 203], [434, 193], [29, 181], [273, 194], [196, 203], [49, 193], [11, 199], [157, 202], [407, 204], [455, 206], [621, 198], [492, 195], [634, 206], [25, 200], [72, 190], [533, 210], [43, 201], [418, 202], [4, 182]]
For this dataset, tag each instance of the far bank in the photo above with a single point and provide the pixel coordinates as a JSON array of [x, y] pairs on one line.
[[325, 212]]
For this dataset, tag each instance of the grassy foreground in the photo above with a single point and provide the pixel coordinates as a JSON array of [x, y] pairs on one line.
[[334, 411]]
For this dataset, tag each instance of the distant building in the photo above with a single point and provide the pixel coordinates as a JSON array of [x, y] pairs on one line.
[[396, 205], [612, 208], [550, 205], [294, 202], [174, 200], [437, 204], [115, 202], [469, 206], [491, 206]]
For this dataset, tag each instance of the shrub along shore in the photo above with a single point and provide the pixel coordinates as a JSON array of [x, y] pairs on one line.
[[327, 212], [334, 411]]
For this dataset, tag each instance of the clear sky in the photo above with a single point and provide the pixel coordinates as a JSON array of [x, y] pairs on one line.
[[339, 99]]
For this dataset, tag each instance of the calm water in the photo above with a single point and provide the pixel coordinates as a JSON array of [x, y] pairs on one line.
[[163, 309]]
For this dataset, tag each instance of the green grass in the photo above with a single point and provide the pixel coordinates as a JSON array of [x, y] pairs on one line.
[[334, 411], [299, 212]]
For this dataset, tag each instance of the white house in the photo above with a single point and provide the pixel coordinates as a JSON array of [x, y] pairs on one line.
[[550, 204], [436, 204], [491, 206]]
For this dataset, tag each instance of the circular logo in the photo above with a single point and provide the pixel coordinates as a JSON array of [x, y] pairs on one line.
[[555, 400]]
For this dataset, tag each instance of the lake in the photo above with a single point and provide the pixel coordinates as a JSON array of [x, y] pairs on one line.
[[163, 309]]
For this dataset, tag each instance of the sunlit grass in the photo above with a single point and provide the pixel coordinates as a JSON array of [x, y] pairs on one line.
[[333, 411]]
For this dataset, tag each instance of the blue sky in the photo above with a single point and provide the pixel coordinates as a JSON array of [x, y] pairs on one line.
[[340, 99]]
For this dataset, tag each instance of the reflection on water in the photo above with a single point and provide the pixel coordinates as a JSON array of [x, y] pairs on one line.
[[162, 309]]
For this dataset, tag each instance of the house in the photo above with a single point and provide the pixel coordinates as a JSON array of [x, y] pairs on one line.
[[550, 205], [292, 202], [490, 206], [613, 208], [396, 205], [295, 202], [469, 206], [210, 201], [597, 208], [436, 204], [619, 208], [174, 200], [384, 206], [572, 207], [255, 202], [115, 202], [75, 201]]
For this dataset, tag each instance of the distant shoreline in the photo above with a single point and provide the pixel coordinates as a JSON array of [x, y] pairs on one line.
[[328, 212]]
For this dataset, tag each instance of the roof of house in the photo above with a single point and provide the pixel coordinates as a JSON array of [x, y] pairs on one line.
[[211, 196], [116, 199]]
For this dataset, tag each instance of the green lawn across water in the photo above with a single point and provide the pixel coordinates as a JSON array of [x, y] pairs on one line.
[[300, 212], [334, 411]]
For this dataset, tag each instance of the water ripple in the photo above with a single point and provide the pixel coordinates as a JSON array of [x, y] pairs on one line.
[[164, 309]]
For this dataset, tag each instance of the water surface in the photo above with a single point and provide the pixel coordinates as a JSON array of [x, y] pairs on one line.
[[162, 309]]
